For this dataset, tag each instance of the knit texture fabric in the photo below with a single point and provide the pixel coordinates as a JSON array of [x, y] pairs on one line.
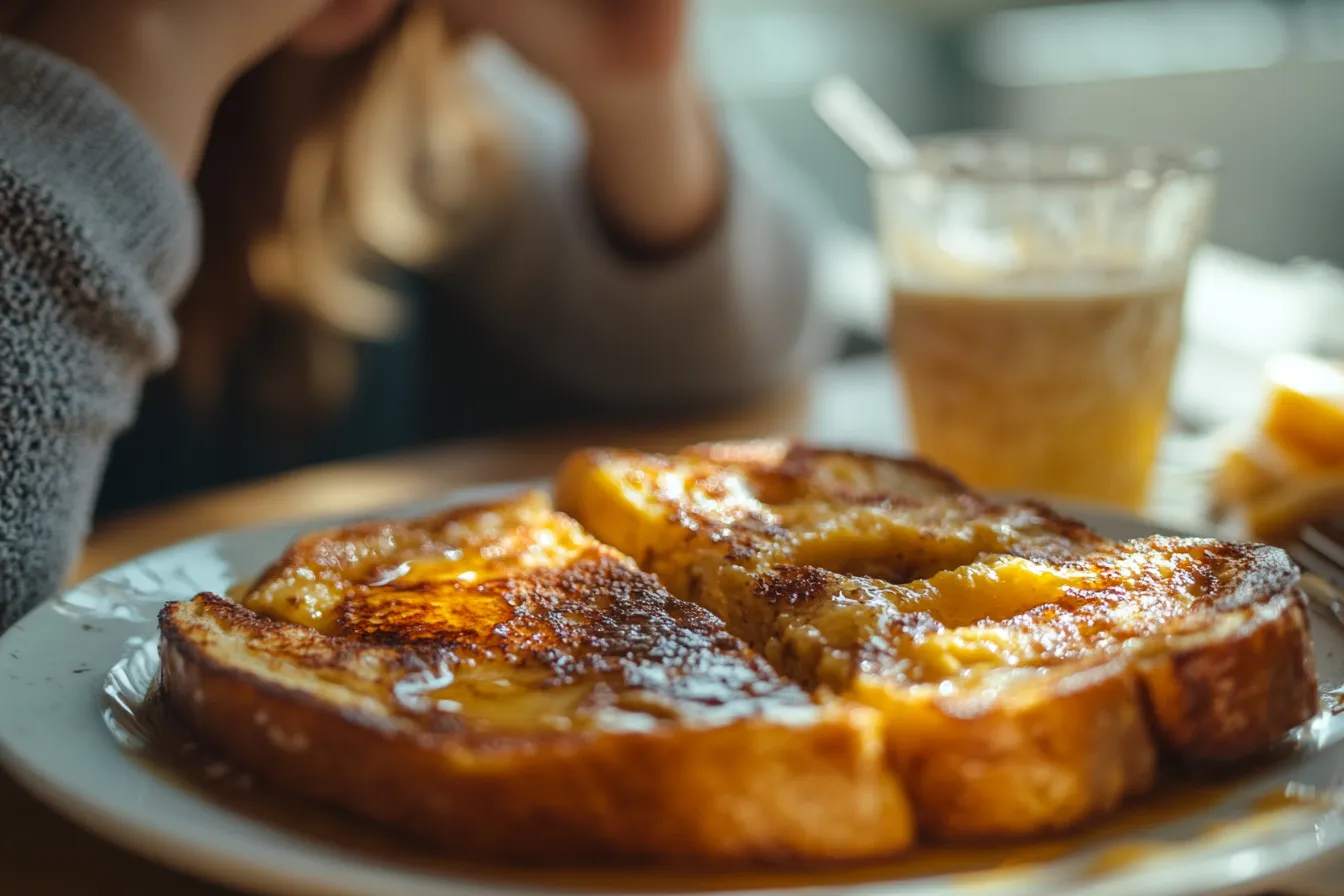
[[97, 234]]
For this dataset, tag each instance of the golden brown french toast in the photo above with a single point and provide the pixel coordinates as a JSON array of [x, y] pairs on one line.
[[714, 518], [1031, 672], [499, 682]]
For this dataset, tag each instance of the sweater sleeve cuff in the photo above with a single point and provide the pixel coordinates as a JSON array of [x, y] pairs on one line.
[[64, 130]]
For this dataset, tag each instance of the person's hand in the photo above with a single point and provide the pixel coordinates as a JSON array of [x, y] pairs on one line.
[[171, 60], [654, 156], [588, 47]]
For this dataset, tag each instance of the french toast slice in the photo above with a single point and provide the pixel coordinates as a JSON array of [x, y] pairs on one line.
[[495, 680], [712, 519], [1031, 672]]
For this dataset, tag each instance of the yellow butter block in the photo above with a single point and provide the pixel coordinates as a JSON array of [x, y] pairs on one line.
[[1241, 477], [1250, 471], [1305, 409], [1276, 516]]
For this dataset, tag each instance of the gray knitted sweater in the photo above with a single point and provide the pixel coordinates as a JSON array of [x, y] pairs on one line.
[[98, 237], [95, 234]]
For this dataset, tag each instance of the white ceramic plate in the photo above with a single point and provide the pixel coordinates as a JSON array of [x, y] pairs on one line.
[[55, 665]]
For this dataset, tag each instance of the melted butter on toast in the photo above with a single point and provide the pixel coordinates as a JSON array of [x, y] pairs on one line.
[[521, 622], [496, 680], [390, 558], [853, 648], [1003, 614], [1030, 671]]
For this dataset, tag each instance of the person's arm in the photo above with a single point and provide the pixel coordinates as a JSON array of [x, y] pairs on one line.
[[96, 232], [104, 105], [726, 314]]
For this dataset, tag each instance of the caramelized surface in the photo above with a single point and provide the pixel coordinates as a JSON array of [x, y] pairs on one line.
[[1029, 670], [324, 579], [1008, 617], [897, 565], [977, 670], [834, 509], [711, 521], [498, 682], [512, 618]]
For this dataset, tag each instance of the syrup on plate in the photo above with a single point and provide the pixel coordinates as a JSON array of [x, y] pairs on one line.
[[141, 723]]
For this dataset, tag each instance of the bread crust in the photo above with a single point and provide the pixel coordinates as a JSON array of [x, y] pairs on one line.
[[1218, 701], [825, 656], [1102, 658], [679, 745], [1073, 750]]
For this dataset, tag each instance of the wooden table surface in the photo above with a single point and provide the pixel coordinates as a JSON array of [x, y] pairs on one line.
[[42, 854]]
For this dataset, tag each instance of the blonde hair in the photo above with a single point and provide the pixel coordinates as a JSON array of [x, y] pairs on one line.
[[317, 170]]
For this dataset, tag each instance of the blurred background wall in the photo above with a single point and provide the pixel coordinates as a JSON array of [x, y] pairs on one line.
[[1261, 79]]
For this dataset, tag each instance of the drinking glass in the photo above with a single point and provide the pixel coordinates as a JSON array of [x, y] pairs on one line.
[[1037, 288]]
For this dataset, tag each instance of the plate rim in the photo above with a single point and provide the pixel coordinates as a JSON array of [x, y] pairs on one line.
[[161, 845]]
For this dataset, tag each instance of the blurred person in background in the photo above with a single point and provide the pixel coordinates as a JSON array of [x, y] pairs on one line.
[[415, 221]]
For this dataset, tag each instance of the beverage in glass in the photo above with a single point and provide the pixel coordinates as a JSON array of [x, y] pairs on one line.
[[1036, 302]]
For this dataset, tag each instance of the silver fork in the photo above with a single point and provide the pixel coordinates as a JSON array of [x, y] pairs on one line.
[[1319, 550]]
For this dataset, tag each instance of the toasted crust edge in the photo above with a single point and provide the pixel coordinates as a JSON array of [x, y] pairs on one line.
[[1209, 702], [731, 795], [1222, 701], [1059, 756], [1204, 702]]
